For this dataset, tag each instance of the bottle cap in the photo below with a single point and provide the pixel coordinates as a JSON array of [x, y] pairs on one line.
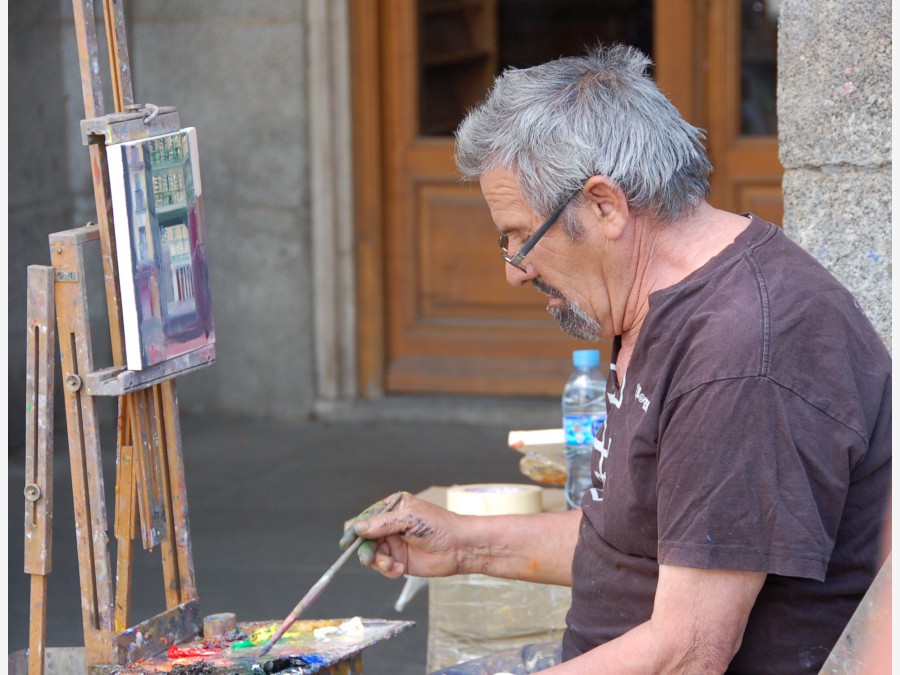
[[586, 358]]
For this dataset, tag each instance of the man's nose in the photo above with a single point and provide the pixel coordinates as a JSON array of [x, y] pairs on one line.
[[518, 277]]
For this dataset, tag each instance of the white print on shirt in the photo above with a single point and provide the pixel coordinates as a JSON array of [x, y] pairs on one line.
[[602, 444], [644, 401], [611, 397]]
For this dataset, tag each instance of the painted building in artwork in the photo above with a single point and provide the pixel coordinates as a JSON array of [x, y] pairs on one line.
[[272, 90]]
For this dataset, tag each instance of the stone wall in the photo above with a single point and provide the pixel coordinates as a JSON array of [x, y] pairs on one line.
[[40, 201], [834, 117], [237, 72]]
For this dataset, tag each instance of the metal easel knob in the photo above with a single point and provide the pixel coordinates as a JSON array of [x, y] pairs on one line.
[[72, 382], [32, 492]]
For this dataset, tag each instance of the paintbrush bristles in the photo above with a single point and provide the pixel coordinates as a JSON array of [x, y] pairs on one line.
[[275, 638]]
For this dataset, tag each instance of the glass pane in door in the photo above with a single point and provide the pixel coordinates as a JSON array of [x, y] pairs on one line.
[[464, 44], [536, 31], [759, 52]]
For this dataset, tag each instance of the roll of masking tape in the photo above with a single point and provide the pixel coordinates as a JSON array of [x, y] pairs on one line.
[[494, 499]]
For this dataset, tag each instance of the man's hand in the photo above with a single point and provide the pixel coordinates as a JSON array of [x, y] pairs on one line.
[[415, 537], [366, 550]]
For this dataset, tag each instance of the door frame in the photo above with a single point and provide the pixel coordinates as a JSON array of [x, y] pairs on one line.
[[368, 202]]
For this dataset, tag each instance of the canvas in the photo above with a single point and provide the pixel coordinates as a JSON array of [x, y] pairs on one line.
[[160, 236]]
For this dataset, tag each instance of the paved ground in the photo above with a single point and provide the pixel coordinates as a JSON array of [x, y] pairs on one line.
[[267, 502]]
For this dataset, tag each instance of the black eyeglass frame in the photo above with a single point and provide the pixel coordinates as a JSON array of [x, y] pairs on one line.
[[531, 242]]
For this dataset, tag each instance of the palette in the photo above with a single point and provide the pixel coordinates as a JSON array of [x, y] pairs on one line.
[[330, 646]]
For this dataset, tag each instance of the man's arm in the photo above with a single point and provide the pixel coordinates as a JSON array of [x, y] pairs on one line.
[[538, 547], [697, 626], [425, 540]]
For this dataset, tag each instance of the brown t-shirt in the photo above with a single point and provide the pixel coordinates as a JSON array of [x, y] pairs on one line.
[[751, 432]]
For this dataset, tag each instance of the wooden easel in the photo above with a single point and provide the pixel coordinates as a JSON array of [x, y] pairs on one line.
[[150, 485]]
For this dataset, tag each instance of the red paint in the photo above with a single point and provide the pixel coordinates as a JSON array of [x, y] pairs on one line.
[[189, 653]]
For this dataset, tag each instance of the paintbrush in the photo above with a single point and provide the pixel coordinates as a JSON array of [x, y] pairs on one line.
[[322, 583]]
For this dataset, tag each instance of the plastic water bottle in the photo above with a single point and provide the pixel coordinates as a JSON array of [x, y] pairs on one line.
[[584, 411]]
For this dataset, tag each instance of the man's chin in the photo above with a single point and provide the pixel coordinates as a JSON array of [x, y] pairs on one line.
[[574, 323]]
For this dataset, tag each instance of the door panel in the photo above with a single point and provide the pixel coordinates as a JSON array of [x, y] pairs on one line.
[[457, 280]]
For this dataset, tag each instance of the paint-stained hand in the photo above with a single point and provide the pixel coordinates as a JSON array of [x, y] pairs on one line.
[[366, 551], [415, 537]]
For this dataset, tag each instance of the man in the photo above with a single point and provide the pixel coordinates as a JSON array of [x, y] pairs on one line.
[[741, 477]]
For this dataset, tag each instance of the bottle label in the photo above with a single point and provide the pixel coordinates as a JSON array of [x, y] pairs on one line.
[[582, 429]]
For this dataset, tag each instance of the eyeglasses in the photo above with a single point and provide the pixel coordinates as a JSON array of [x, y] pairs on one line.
[[516, 260]]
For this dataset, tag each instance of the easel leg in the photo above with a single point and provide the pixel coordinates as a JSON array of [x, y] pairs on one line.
[[177, 487], [169, 547], [126, 514], [149, 492], [37, 630], [39, 454]]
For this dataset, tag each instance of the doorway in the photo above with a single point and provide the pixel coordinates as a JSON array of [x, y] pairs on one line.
[[435, 312]]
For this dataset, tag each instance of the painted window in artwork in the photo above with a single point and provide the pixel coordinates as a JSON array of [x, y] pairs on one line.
[[176, 240]]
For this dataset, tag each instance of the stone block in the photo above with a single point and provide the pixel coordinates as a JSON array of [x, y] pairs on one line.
[[843, 218], [834, 83]]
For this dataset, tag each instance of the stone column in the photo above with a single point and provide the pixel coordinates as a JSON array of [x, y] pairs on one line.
[[834, 133]]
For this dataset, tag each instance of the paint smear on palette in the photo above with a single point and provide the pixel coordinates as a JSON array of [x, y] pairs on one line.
[[261, 636], [299, 651], [352, 627], [175, 652]]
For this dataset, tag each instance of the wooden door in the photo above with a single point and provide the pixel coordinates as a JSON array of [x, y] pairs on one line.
[[435, 311]]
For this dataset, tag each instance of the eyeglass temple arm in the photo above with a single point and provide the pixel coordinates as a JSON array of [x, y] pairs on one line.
[[541, 231]]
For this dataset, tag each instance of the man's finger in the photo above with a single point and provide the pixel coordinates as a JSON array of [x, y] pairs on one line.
[[347, 538], [366, 553], [351, 532]]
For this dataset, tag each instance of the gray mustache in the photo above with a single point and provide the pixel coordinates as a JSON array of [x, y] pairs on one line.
[[547, 289]]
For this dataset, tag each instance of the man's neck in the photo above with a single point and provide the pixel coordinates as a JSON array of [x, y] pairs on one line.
[[669, 253]]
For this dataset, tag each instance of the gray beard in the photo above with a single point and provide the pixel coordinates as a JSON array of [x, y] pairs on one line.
[[572, 320]]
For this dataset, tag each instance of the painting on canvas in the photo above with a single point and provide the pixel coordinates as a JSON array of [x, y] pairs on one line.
[[160, 247]]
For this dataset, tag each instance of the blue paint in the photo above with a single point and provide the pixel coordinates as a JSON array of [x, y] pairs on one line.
[[314, 659], [709, 537], [873, 256]]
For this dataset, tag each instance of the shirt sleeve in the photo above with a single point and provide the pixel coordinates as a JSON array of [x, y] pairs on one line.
[[752, 478]]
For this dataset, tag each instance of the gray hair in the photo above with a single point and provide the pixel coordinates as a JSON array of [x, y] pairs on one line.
[[557, 124]]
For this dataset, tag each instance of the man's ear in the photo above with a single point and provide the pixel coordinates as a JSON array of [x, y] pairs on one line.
[[608, 205]]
